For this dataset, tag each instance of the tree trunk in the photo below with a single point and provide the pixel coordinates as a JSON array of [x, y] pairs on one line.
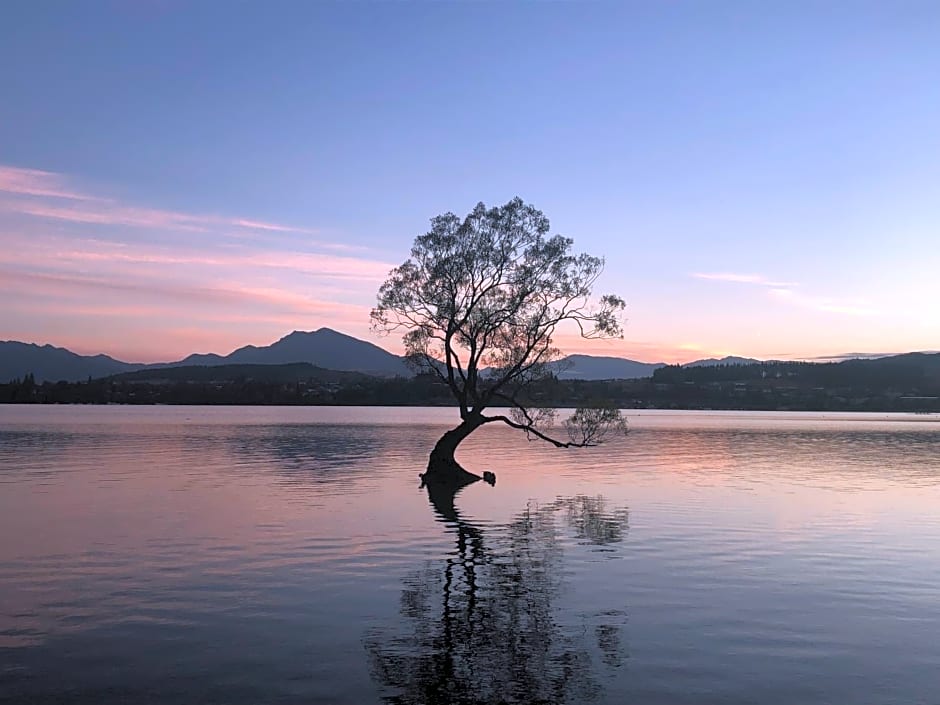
[[443, 468]]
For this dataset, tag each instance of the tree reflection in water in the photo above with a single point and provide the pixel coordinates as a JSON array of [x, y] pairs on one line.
[[482, 627]]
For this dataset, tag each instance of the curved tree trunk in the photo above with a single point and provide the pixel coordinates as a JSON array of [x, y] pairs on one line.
[[443, 467]]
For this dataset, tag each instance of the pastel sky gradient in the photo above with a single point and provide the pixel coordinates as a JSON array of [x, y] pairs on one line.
[[762, 178]]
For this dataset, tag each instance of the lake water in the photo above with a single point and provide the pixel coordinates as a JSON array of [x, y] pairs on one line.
[[287, 555]]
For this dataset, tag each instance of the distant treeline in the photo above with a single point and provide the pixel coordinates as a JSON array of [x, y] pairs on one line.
[[910, 371], [899, 383]]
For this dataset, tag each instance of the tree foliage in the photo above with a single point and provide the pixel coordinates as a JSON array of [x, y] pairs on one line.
[[479, 302], [589, 425]]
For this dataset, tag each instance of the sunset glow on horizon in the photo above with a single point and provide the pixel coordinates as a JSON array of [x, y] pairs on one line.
[[761, 183]]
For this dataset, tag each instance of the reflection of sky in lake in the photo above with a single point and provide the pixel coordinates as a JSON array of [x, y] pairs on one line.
[[245, 555]]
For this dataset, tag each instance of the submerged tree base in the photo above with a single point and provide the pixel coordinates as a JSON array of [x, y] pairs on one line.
[[443, 469], [446, 474]]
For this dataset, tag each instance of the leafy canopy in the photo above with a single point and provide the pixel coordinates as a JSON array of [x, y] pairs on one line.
[[480, 299]]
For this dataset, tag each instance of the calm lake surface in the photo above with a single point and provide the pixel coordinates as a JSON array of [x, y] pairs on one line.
[[287, 555]]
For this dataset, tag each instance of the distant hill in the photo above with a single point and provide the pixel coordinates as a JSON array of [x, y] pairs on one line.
[[324, 348], [729, 360], [902, 374], [49, 363], [594, 367]]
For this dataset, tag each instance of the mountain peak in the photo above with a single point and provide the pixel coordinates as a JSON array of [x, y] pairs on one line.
[[319, 332], [324, 348]]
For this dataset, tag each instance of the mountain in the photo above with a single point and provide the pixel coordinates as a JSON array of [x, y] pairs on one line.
[[729, 360], [593, 367], [49, 363], [324, 348]]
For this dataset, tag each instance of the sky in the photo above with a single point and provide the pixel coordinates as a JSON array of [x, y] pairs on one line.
[[763, 179]]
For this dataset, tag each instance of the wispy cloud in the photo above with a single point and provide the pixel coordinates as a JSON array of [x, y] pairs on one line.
[[117, 258], [34, 182], [257, 225], [757, 279], [62, 291], [790, 293], [44, 194], [823, 304]]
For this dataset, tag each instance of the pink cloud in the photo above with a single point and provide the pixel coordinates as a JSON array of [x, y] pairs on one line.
[[43, 253], [65, 287], [107, 214], [311, 264], [34, 182], [310, 314], [36, 193], [258, 225], [103, 212]]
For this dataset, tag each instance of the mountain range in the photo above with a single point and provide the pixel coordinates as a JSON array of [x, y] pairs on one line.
[[325, 348], [48, 363]]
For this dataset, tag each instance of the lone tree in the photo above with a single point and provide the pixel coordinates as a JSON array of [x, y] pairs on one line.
[[479, 300]]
